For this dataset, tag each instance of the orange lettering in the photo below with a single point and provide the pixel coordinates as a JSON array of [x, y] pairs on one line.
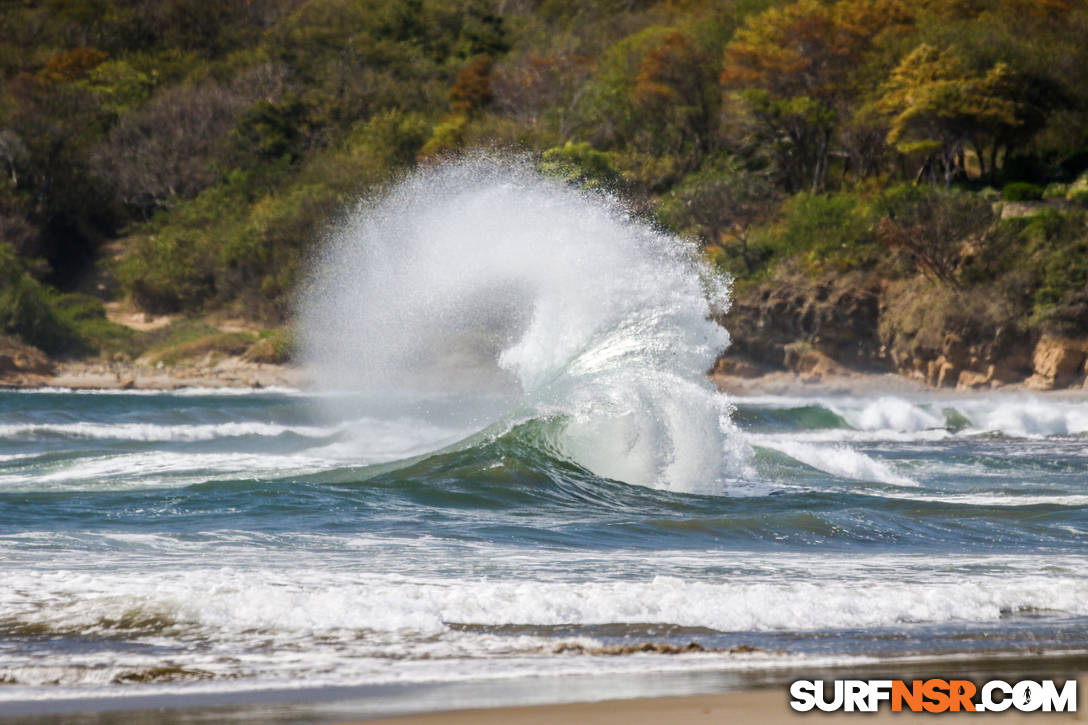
[[961, 692], [912, 695], [936, 691]]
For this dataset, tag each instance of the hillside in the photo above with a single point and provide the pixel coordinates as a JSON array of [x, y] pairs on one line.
[[894, 185]]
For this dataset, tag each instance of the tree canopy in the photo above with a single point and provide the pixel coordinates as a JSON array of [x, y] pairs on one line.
[[186, 155]]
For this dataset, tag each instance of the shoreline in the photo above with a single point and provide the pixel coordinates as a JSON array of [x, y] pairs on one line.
[[228, 372], [648, 698]]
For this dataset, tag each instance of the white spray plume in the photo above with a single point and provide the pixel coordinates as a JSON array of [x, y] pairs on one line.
[[483, 276]]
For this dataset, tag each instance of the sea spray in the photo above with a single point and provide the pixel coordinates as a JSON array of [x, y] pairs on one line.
[[483, 278]]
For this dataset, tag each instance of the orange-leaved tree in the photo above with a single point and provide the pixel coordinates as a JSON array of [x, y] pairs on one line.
[[677, 96], [793, 72], [472, 90]]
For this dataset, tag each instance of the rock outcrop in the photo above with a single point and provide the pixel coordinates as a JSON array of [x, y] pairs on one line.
[[22, 364], [834, 318], [810, 364], [1059, 362]]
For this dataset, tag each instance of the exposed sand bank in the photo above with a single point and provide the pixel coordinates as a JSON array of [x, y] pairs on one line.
[[227, 372]]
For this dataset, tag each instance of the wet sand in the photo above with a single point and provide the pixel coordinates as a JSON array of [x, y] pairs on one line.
[[647, 698], [767, 707]]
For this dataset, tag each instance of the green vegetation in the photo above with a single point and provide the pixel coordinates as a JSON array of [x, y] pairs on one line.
[[186, 156], [1022, 191]]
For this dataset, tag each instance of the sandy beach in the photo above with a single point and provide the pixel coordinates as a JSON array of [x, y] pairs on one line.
[[212, 372], [767, 706]]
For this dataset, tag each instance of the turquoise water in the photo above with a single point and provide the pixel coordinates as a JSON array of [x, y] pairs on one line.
[[188, 543]]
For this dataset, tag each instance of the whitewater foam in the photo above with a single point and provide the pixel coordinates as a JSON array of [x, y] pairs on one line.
[[890, 413], [1015, 415], [149, 432], [1028, 417], [233, 603], [187, 392]]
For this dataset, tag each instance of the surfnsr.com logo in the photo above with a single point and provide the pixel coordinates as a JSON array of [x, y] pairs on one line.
[[933, 695]]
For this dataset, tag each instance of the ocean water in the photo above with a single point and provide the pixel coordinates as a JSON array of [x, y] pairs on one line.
[[515, 471], [209, 542]]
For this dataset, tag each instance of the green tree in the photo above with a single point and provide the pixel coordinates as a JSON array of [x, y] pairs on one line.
[[723, 205], [937, 107]]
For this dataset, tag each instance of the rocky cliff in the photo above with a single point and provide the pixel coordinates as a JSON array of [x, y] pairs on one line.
[[862, 324]]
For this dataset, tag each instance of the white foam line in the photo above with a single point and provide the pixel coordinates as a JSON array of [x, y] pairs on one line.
[[841, 435], [17, 457], [149, 432], [158, 468], [996, 499], [183, 392], [324, 672], [233, 603]]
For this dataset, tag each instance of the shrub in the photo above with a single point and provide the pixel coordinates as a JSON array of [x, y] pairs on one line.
[[582, 165], [214, 345], [1079, 197], [167, 272], [274, 347], [1022, 191], [829, 230], [1055, 191], [86, 317], [26, 312], [932, 227], [26, 308]]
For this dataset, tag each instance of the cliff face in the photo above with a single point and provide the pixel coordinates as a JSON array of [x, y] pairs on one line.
[[772, 325], [857, 323]]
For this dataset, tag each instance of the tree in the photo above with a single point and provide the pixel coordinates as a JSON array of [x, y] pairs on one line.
[[932, 227], [937, 107], [165, 151], [472, 90], [723, 205], [541, 87], [52, 126], [607, 112], [792, 71], [73, 65], [581, 165], [677, 98]]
